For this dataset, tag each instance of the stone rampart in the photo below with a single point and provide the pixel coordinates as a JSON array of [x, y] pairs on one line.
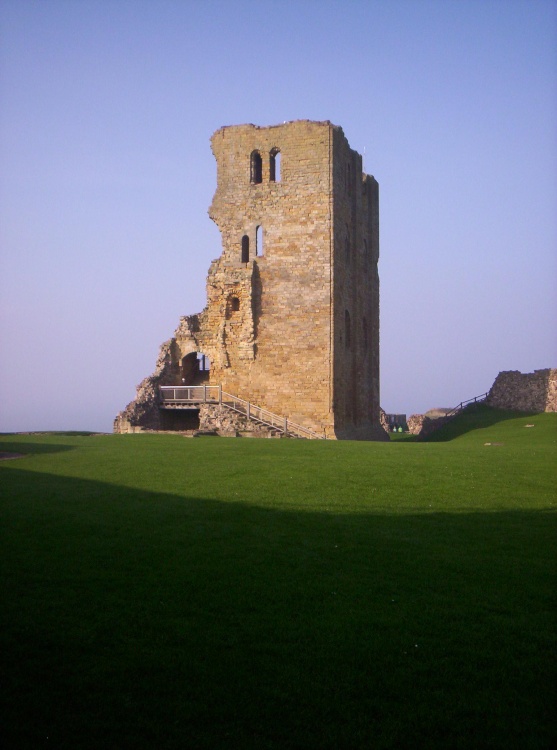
[[529, 392]]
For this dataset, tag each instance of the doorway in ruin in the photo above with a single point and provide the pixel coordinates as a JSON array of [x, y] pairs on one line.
[[195, 369], [179, 420]]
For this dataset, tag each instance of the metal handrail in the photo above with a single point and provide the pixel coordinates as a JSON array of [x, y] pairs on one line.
[[215, 395], [190, 393], [463, 404]]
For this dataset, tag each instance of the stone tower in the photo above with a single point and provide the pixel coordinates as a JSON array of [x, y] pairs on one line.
[[292, 316]]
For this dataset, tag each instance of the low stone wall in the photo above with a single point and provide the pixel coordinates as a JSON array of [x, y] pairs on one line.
[[213, 417], [420, 424], [530, 392]]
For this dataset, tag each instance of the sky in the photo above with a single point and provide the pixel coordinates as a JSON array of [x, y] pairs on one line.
[[106, 176]]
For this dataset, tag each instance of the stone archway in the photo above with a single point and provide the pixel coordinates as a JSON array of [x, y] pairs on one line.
[[194, 369]]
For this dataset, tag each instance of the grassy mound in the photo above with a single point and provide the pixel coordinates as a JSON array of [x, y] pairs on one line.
[[170, 593]]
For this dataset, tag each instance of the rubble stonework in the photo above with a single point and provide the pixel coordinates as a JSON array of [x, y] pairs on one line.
[[534, 392], [292, 316], [415, 423], [531, 392], [422, 425]]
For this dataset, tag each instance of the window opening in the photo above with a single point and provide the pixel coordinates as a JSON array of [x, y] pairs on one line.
[[204, 363], [274, 165], [235, 304], [347, 340], [256, 168], [245, 249], [194, 369], [259, 241]]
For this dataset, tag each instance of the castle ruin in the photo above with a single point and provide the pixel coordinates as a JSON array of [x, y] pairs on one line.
[[291, 325]]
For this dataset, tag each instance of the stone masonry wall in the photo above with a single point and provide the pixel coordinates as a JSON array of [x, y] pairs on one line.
[[530, 392], [143, 412], [285, 303], [356, 292], [292, 316], [419, 424]]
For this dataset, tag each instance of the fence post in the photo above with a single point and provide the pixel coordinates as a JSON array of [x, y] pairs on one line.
[[248, 411], [220, 394], [285, 426]]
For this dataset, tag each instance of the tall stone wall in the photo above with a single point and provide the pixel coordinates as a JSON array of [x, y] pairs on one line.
[[355, 292], [531, 392], [275, 349], [292, 316]]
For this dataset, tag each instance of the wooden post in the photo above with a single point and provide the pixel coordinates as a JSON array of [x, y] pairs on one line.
[[220, 394], [285, 426], [248, 411]]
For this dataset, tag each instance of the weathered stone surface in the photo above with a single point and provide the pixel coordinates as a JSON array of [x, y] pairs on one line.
[[415, 422], [229, 423], [530, 392], [292, 316], [143, 413], [422, 425]]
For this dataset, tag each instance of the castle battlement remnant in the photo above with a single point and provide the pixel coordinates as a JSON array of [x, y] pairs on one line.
[[292, 316]]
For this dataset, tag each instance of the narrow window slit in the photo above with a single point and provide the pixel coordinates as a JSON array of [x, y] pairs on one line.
[[245, 249], [256, 168], [274, 165]]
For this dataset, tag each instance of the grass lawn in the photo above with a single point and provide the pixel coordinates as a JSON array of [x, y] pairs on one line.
[[162, 592]]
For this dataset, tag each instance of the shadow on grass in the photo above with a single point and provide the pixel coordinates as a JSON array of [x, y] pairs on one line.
[[137, 619], [33, 448], [473, 417]]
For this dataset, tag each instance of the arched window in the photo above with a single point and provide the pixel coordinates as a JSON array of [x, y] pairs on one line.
[[259, 241], [274, 165], [256, 168], [245, 249], [233, 304], [347, 335]]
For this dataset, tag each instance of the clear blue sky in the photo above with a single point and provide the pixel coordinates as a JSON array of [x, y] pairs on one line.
[[106, 176]]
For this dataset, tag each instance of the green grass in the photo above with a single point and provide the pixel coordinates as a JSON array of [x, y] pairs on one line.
[[160, 592]]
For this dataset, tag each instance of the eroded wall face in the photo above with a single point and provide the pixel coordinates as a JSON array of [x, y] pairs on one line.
[[529, 392], [267, 326]]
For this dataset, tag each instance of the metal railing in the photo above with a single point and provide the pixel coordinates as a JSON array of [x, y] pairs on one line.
[[213, 394], [204, 394], [464, 404]]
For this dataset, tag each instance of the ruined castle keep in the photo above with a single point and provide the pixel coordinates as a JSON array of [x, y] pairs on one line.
[[292, 316]]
